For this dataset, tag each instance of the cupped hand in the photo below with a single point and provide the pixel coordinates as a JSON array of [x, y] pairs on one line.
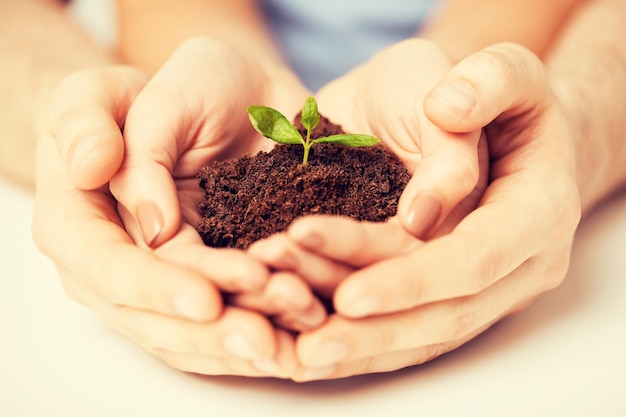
[[178, 286], [514, 246], [191, 112], [384, 97]]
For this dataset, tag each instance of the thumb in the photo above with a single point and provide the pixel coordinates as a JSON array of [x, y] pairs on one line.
[[503, 78], [448, 173], [144, 185], [87, 112], [191, 111]]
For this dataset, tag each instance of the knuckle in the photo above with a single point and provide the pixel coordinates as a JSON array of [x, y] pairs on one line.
[[464, 320], [506, 63], [386, 340], [480, 267], [467, 171], [495, 64]]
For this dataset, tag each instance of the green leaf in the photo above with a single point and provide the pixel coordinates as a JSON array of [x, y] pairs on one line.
[[272, 124], [350, 140], [310, 116]]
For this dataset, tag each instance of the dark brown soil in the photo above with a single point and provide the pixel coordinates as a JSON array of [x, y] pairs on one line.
[[253, 197]]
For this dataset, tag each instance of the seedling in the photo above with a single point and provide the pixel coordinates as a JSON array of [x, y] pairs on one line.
[[273, 125]]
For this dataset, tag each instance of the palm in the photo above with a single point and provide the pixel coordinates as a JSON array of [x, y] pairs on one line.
[[385, 98]]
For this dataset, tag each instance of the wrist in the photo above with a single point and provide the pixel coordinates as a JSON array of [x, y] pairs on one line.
[[599, 151]]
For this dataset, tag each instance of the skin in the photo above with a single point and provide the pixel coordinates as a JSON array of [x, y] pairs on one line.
[[240, 25], [424, 284], [536, 129], [142, 316], [29, 79], [179, 284], [454, 25], [70, 220]]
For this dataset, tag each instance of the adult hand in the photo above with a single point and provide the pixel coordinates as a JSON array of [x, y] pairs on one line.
[[512, 248], [168, 300]]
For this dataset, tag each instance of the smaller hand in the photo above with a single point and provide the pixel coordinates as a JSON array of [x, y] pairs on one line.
[[176, 287], [385, 97], [191, 112], [449, 170]]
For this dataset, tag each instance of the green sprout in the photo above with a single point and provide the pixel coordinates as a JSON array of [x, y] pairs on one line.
[[273, 125]]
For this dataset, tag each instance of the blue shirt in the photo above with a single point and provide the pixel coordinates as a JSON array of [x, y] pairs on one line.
[[323, 39]]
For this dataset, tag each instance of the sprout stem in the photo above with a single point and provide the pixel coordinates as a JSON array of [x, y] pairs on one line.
[[307, 147]]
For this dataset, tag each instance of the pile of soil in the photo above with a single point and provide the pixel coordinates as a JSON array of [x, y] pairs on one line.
[[253, 197]]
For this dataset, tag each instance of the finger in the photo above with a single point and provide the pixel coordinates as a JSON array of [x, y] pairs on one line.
[[81, 231], [448, 173], [469, 203], [463, 263], [503, 77], [288, 300], [88, 112], [239, 343], [179, 121], [302, 321], [343, 340], [282, 366], [238, 333], [231, 270], [349, 241], [284, 291], [385, 362], [321, 272]]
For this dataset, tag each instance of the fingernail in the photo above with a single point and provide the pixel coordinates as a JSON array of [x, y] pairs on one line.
[[289, 262], [307, 238], [329, 353], [150, 221], [313, 374], [238, 344], [267, 366], [363, 306], [423, 214], [456, 94], [312, 318], [275, 253], [190, 308]]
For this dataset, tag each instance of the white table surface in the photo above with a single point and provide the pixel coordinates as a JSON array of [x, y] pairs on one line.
[[565, 356]]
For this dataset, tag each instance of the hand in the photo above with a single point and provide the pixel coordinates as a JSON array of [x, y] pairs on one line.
[[384, 97], [512, 248], [168, 300], [191, 112]]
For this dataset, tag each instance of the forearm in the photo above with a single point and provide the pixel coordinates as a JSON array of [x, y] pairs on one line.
[[39, 46], [150, 30], [588, 69], [462, 27]]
